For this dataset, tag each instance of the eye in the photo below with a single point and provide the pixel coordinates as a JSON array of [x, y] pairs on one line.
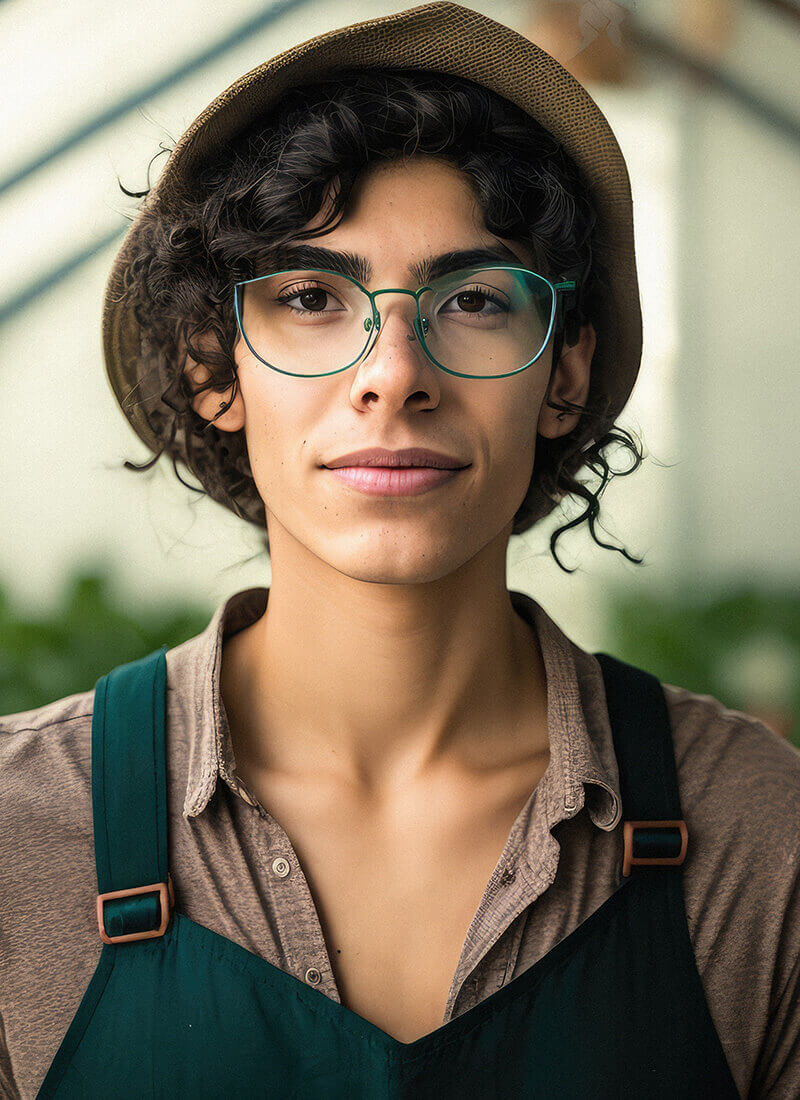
[[313, 299], [473, 301]]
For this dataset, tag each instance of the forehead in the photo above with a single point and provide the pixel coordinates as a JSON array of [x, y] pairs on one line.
[[422, 193], [423, 208], [428, 170]]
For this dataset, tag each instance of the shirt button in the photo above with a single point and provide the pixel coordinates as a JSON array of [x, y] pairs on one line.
[[313, 976], [280, 867], [508, 875]]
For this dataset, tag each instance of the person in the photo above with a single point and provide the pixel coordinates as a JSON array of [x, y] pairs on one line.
[[382, 828]]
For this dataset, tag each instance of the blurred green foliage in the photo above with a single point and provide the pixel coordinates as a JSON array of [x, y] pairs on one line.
[[85, 635], [740, 645]]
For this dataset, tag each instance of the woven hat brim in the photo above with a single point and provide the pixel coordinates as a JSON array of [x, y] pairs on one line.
[[443, 37]]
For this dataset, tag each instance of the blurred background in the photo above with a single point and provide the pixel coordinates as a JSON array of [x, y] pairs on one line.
[[99, 565]]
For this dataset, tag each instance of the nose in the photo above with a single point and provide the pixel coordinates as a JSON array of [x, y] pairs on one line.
[[397, 374]]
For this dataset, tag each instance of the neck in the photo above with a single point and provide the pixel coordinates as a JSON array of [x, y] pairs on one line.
[[377, 684]]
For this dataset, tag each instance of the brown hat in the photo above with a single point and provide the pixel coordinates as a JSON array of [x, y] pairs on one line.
[[443, 37]]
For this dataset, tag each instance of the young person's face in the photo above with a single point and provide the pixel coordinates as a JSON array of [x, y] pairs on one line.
[[400, 212]]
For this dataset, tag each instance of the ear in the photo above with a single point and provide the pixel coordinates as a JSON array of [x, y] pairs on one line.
[[569, 382], [208, 403]]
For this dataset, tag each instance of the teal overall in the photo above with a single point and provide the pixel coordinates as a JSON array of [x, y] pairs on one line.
[[615, 1010]]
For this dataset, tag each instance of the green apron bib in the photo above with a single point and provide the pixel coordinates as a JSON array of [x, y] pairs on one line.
[[615, 1010]]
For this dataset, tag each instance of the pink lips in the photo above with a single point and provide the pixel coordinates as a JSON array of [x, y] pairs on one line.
[[393, 481]]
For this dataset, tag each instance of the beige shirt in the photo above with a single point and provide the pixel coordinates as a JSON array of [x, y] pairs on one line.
[[740, 793]]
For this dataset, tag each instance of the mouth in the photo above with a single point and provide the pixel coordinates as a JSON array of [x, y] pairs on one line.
[[394, 480]]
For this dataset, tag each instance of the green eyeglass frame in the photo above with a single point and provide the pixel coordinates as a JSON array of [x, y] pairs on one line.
[[563, 295]]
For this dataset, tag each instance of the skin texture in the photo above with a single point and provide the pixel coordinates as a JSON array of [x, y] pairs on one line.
[[390, 706]]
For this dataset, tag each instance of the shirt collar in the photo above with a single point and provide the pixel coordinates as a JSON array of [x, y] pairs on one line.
[[582, 753], [581, 741]]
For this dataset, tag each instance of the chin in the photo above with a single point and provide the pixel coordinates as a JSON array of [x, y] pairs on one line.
[[392, 565]]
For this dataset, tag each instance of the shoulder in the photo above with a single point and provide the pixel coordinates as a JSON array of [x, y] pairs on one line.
[[45, 771], [49, 716], [28, 737], [739, 784], [738, 770], [47, 877]]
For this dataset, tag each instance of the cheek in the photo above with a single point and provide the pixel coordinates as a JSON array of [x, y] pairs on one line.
[[262, 422], [279, 425], [513, 420], [513, 442]]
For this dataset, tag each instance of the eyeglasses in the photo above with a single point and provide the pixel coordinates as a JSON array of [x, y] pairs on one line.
[[478, 322]]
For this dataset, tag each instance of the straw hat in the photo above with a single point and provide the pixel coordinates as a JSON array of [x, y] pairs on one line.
[[444, 37]]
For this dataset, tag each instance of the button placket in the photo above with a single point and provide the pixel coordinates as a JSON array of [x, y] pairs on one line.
[[288, 869]]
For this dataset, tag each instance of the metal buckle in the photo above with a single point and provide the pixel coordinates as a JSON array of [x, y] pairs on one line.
[[166, 897], [629, 860]]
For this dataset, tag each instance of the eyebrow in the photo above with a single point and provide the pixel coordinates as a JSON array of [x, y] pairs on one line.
[[359, 267]]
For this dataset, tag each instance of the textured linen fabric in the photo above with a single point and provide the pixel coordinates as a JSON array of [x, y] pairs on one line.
[[235, 870]]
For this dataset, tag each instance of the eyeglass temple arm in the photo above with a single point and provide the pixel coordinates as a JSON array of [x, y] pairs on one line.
[[566, 300], [567, 296], [567, 286]]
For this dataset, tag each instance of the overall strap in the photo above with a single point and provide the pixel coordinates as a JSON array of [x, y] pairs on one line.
[[655, 833], [129, 800]]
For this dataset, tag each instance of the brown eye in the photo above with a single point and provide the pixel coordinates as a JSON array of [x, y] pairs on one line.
[[313, 299], [471, 301]]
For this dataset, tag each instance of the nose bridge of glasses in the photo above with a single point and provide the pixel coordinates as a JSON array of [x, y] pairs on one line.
[[395, 290]]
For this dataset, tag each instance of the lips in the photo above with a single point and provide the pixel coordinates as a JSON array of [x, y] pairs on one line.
[[403, 481]]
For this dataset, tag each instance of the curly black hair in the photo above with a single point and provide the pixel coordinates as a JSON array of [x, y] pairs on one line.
[[259, 190]]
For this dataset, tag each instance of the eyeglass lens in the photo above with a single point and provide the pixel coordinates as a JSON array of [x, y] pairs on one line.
[[481, 322]]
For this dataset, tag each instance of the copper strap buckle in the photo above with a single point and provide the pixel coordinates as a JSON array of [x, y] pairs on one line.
[[166, 897], [630, 860]]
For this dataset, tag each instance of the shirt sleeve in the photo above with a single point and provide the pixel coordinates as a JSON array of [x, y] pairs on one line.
[[776, 1074]]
